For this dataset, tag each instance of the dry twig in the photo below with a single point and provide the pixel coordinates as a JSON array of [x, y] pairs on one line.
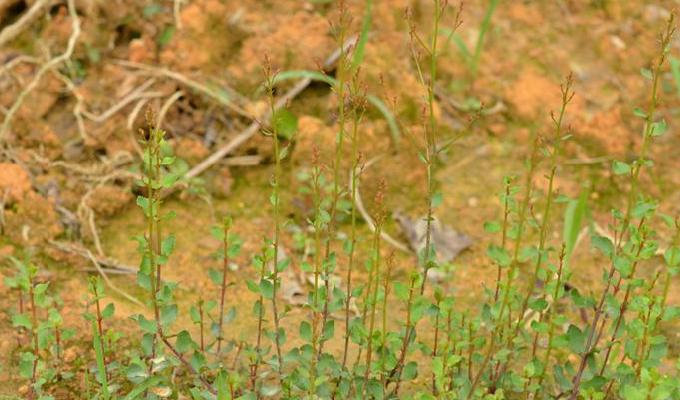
[[110, 265], [12, 31], [78, 108], [176, 8], [359, 204], [109, 283], [75, 33], [138, 93], [16, 61], [161, 71], [166, 106]]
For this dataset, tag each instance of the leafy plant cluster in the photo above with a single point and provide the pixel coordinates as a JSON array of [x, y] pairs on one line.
[[533, 336]]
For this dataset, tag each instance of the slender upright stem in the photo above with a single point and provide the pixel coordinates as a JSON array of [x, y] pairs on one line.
[[100, 328], [353, 229], [550, 315], [567, 96], [277, 224], [386, 290], [396, 372], [318, 261], [632, 197], [34, 327], [431, 144], [436, 343], [514, 264], [340, 139], [260, 321], [373, 302], [225, 268]]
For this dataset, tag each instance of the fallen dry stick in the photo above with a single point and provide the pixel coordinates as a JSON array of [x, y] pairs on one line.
[[114, 267], [161, 71], [137, 93], [359, 204], [166, 106], [16, 28], [16, 61], [110, 284], [111, 266], [75, 33]]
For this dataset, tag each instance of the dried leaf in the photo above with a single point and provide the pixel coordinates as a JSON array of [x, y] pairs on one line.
[[447, 241]]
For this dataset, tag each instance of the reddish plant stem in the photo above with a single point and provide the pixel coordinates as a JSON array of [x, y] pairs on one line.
[[622, 310], [632, 195], [34, 326], [21, 311], [550, 314], [396, 372], [208, 386], [434, 347], [100, 325]]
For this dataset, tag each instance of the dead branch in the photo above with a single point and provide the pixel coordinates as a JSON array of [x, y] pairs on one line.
[[109, 283], [588, 161], [136, 94], [359, 204], [12, 31], [132, 117], [86, 213], [243, 161], [176, 9], [162, 71], [96, 171], [166, 106], [16, 61], [78, 108], [111, 266], [75, 33]]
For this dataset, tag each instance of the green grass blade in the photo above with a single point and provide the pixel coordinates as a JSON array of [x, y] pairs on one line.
[[222, 389], [675, 71], [462, 47], [483, 29], [389, 117], [395, 132], [574, 215], [360, 48], [303, 74], [452, 36], [101, 364]]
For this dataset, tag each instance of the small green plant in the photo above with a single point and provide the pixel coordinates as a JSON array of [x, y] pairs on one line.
[[157, 351], [471, 57], [102, 347], [530, 335], [39, 321], [231, 247]]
